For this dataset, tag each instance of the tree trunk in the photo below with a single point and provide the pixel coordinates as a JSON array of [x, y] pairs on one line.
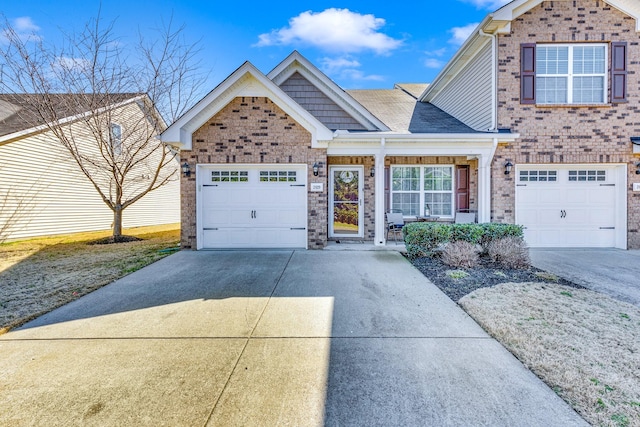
[[117, 222]]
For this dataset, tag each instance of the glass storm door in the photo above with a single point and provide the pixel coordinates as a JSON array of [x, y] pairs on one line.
[[346, 202]]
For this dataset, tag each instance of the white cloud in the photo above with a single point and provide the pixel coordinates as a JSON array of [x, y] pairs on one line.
[[433, 63], [25, 24], [332, 65], [333, 30], [358, 75], [345, 68], [23, 28], [488, 4], [67, 63], [460, 34]]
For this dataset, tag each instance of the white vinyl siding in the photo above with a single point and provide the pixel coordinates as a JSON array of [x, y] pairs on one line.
[[468, 96], [43, 192]]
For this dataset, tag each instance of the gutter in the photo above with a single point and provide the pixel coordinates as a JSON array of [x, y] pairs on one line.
[[445, 137]]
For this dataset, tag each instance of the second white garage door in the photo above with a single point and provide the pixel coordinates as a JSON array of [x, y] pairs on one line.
[[571, 205], [252, 206]]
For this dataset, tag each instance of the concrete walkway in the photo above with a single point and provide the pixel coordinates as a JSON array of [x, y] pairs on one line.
[[268, 338], [614, 272]]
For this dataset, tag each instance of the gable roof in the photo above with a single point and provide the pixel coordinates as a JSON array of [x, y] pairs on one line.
[[501, 18], [499, 22], [402, 113], [296, 63], [248, 81], [19, 115]]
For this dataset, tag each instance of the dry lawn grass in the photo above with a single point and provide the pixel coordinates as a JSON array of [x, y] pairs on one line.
[[39, 275], [584, 345]]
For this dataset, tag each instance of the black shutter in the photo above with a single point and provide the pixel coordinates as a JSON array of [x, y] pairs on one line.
[[528, 73], [618, 72]]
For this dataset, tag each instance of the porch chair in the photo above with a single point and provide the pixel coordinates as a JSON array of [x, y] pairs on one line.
[[395, 222], [465, 217]]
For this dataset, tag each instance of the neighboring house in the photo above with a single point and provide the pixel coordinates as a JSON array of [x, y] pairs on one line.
[[43, 191], [289, 159]]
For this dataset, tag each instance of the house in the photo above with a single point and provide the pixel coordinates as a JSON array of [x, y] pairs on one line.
[[564, 76], [289, 159], [42, 189]]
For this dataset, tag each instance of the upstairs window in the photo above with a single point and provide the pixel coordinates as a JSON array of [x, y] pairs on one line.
[[568, 74], [571, 74], [115, 136]]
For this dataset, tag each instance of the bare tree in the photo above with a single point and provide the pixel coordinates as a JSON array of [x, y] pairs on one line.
[[103, 85]]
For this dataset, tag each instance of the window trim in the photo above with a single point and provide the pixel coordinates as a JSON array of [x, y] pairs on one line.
[[570, 76], [421, 191]]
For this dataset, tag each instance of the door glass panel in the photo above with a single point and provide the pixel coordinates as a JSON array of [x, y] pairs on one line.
[[346, 202]]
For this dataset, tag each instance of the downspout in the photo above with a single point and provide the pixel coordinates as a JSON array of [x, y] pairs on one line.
[[494, 80]]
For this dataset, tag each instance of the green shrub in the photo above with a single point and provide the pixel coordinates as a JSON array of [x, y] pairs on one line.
[[494, 231], [422, 238]]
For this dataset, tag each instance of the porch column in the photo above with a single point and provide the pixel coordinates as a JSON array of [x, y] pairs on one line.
[[484, 188], [379, 238]]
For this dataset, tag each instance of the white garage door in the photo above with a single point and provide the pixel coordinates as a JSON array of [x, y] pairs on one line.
[[568, 206], [252, 206]]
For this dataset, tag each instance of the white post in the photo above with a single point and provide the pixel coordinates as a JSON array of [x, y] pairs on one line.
[[379, 198], [484, 189]]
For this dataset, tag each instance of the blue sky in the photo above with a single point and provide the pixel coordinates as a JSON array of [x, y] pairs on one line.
[[359, 44]]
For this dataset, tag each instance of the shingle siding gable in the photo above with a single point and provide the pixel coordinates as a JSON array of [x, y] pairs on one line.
[[318, 104]]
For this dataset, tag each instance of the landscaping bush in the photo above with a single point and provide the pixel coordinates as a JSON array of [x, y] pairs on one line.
[[422, 238], [510, 252], [494, 231], [460, 254]]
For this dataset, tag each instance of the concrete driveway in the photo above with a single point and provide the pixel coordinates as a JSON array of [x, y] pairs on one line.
[[614, 272], [268, 338]]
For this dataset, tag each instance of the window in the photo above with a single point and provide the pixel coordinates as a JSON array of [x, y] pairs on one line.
[[587, 176], [278, 176], [538, 176], [229, 176], [571, 74], [415, 188], [115, 137]]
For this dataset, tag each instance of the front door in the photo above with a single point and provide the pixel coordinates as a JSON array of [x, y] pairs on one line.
[[345, 210]]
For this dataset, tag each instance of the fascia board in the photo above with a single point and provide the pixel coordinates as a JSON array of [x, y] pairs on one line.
[[246, 81], [413, 148], [43, 128], [297, 62], [451, 138]]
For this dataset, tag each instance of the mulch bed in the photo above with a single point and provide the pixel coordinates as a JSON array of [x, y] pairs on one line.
[[486, 274]]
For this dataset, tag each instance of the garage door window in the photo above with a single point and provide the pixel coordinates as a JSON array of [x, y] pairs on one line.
[[229, 176], [538, 176], [587, 176], [278, 176]]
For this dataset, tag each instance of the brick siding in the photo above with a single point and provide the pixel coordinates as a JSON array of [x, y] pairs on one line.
[[254, 130], [572, 134]]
